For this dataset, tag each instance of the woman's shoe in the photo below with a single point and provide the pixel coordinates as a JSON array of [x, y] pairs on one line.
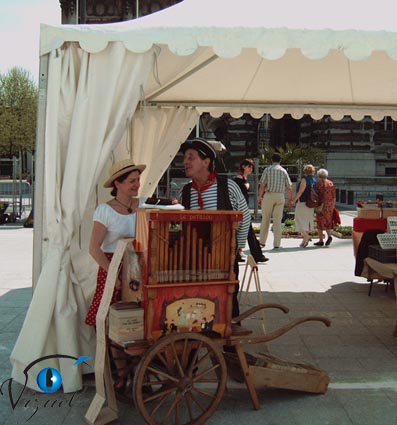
[[120, 386], [329, 240], [319, 243]]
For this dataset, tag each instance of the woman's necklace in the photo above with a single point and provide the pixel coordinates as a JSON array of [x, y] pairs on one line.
[[129, 209]]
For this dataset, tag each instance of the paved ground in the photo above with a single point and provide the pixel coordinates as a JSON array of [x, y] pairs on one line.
[[358, 351]]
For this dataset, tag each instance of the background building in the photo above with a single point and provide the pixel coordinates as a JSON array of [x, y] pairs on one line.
[[107, 11]]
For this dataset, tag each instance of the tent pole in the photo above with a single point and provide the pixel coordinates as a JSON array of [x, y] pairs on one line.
[[181, 78], [39, 170]]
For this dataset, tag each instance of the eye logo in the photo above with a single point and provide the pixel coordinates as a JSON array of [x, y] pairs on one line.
[[49, 380]]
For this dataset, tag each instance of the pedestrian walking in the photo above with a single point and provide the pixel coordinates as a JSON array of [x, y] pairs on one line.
[[325, 214], [273, 184], [304, 215]]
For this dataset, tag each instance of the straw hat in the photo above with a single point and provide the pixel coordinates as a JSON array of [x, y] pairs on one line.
[[120, 168]]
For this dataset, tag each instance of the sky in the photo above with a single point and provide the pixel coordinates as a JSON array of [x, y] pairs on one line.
[[20, 26], [20, 32]]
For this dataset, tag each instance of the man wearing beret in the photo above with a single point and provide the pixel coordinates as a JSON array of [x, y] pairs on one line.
[[212, 192]]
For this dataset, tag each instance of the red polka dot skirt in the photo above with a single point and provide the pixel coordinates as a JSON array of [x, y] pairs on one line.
[[100, 286]]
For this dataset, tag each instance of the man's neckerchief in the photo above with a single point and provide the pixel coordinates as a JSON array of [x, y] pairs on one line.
[[200, 189]]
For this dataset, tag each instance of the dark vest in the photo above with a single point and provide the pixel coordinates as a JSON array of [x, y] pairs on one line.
[[223, 200]]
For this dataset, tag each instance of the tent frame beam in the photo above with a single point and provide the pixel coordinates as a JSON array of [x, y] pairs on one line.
[[182, 78], [270, 105], [306, 108], [39, 170]]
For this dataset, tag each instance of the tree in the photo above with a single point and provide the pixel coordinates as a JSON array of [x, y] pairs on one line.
[[18, 110], [294, 157]]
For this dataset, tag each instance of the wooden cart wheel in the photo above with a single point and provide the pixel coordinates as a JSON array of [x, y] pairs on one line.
[[180, 379]]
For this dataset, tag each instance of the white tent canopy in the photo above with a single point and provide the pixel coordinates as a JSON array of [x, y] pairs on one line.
[[290, 57], [136, 89]]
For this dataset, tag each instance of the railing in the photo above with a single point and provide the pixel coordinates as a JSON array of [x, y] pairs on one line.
[[18, 194], [173, 185]]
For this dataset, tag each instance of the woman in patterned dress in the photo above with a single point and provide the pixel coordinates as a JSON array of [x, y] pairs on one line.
[[326, 193], [114, 220]]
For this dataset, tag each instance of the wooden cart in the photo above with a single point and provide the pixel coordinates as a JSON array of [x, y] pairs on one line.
[[179, 334]]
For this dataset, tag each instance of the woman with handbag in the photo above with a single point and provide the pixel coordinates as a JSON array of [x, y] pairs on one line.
[[327, 196], [304, 211]]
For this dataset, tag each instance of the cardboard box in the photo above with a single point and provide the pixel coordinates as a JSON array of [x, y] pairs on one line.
[[389, 212], [369, 212], [126, 323]]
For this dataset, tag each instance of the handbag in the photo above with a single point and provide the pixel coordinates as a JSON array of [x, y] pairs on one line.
[[319, 209], [336, 220], [312, 200]]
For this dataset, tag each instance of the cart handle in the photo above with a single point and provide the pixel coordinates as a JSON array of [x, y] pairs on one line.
[[279, 332], [258, 307]]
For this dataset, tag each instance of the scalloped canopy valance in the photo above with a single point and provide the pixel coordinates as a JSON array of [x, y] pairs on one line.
[[337, 58]]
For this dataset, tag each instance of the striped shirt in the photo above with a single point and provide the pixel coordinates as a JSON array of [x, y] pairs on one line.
[[276, 178], [210, 201]]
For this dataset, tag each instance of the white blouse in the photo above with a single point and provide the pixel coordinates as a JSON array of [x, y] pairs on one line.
[[118, 225]]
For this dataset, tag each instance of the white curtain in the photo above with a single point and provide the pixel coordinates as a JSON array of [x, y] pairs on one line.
[[153, 138], [156, 136], [91, 97]]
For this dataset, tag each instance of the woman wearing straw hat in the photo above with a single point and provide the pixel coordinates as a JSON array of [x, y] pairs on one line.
[[114, 220]]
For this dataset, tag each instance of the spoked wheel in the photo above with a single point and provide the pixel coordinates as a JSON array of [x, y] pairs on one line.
[[180, 380]]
